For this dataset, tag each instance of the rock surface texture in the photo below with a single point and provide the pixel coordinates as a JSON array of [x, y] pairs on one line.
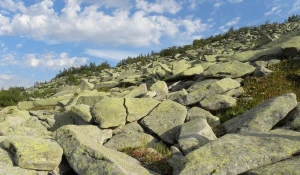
[[171, 102]]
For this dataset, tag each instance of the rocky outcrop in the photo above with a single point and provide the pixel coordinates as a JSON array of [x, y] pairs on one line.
[[172, 100]]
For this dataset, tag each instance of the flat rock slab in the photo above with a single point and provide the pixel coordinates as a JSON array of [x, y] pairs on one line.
[[218, 102], [219, 87], [289, 166], [86, 156], [7, 169], [139, 107], [264, 116], [238, 153], [165, 120], [34, 153], [198, 113], [232, 69], [128, 129], [160, 87], [83, 111], [133, 140], [194, 134], [109, 112], [254, 55]]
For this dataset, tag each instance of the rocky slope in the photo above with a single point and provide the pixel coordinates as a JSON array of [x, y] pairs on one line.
[[80, 129]]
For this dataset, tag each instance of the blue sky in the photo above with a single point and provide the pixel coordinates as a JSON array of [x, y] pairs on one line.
[[40, 37]]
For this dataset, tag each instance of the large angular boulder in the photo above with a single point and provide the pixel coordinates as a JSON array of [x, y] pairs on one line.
[[218, 102], [132, 140], [165, 120], [254, 55], [160, 87], [219, 87], [264, 116], [194, 134], [138, 108], [34, 153], [86, 155], [109, 112], [128, 129], [82, 111], [238, 153], [288, 166], [141, 90], [85, 85], [232, 69], [25, 105], [199, 113]]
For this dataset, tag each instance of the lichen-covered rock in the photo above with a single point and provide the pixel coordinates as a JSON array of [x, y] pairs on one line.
[[198, 113], [194, 134], [219, 87], [292, 120], [109, 112], [50, 101], [232, 69], [85, 85], [82, 111], [179, 66], [25, 105], [160, 88], [264, 116], [165, 120], [238, 153], [106, 84], [132, 140], [288, 166], [254, 55], [138, 108], [141, 90], [128, 129], [217, 102], [87, 156], [34, 153]]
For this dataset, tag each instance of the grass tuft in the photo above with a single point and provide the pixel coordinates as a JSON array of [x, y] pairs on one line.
[[284, 79]]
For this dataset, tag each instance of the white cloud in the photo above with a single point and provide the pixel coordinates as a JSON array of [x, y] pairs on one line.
[[160, 6], [78, 23], [8, 59], [218, 4], [2, 44], [296, 6], [111, 3], [274, 10], [210, 19], [53, 61], [7, 80], [110, 54], [19, 45], [233, 22], [235, 1], [12, 6]]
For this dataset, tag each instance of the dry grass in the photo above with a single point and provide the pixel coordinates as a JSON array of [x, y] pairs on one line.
[[284, 79], [153, 159]]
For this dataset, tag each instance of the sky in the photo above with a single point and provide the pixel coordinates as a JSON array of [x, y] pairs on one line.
[[40, 37]]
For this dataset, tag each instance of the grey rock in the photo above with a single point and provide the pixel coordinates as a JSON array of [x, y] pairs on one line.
[[232, 69], [160, 88], [194, 134], [34, 153], [264, 116], [165, 120], [198, 113], [82, 111], [218, 102], [109, 112], [132, 140], [238, 153], [138, 108], [86, 155], [128, 129]]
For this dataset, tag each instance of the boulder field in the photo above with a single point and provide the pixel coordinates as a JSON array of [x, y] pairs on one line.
[[81, 129]]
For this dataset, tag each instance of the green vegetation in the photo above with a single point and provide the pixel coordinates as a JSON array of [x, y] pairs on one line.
[[293, 18], [153, 160], [285, 78], [12, 96], [83, 70]]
